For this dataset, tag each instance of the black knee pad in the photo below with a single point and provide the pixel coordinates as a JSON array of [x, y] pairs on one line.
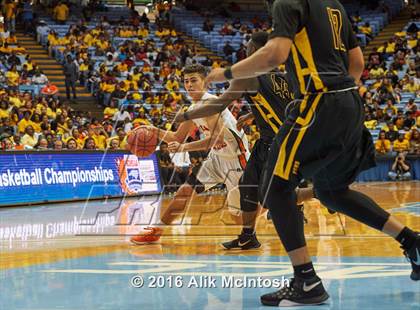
[[276, 191], [195, 183], [249, 197]]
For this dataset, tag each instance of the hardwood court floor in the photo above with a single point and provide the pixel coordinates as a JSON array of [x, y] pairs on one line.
[[50, 253]]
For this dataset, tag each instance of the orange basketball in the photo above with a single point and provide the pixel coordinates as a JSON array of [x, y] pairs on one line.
[[142, 142]]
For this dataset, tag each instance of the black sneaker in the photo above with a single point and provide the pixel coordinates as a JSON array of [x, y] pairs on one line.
[[299, 293], [413, 255], [243, 242]]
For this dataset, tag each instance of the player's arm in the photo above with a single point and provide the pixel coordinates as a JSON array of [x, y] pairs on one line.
[[355, 54], [356, 63], [214, 137], [217, 105], [172, 136], [288, 19]]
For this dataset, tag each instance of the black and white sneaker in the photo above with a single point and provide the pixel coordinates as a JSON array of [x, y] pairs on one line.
[[413, 255], [243, 242], [300, 292]]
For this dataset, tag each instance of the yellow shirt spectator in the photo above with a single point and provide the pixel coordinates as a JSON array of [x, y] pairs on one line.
[[4, 113], [376, 73], [390, 49], [136, 96], [122, 67], [412, 43], [401, 146], [143, 32], [411, 87], [28, 140], [16, 101], [10, 10], [371, 124], [141, 121], [383, 146], [12, 78], [23, 123], [109, 112], [100, 141], [171, 84], [61, 12]]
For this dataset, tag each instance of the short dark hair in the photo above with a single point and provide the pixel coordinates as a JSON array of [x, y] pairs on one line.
[[259, 38], [196, 68]]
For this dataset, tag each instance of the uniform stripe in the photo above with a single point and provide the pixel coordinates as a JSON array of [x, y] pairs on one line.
[[303, 47], [241, 146], [285, 161], [259, 101], [298, 67]]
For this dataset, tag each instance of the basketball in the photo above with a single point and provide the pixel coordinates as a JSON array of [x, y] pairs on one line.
[[142, 142]]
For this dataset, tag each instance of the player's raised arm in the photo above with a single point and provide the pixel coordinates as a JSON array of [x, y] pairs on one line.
[[214, 138], [217, 105], [172, 136]]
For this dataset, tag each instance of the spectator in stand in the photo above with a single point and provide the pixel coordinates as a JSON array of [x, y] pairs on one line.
[[376, 72], [400, 169], [228, 50], [6, 144], [61, 13], [208, 25], [409, 121], [58, 145], [367, 30], [70, 76], [39, 78], [89, 144], [391, 131], [382, 145], [401, 144], [27, 17], [236, 24], [414, 142], [10, 9], [412, 87], [390, 110], [29, 139], [241, 53], [71, 144], [42, 144], [227, 30]]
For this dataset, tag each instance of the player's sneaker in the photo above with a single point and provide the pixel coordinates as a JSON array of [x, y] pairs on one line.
[[150, 235], [243, 242], [413, 255], [299, 293]]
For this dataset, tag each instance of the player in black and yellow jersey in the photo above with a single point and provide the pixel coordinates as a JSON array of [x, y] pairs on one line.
[[268, 96], [324, 138]]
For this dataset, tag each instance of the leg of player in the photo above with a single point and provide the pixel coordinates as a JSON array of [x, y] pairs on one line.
[[362, 208], [152, 234], [178, 205]]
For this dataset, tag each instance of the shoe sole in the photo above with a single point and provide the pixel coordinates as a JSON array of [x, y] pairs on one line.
[[289, 303], [415, 276], [143, 243], [239, 248]]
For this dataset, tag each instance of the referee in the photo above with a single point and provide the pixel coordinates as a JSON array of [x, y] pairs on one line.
[[323, 139]]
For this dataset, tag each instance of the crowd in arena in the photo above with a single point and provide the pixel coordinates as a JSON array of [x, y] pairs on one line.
[[392, 73], [137, 78]]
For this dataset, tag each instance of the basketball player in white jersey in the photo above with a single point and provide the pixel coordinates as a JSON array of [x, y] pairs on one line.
[[225, 162]]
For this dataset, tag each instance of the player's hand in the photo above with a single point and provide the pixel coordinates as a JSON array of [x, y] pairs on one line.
[[244, 120], [174, 147], [216, 75]]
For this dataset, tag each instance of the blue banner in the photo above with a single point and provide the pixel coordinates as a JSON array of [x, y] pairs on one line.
[[37, 177]]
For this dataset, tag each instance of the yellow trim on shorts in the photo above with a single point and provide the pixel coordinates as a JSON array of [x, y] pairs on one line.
[[281, 170]]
